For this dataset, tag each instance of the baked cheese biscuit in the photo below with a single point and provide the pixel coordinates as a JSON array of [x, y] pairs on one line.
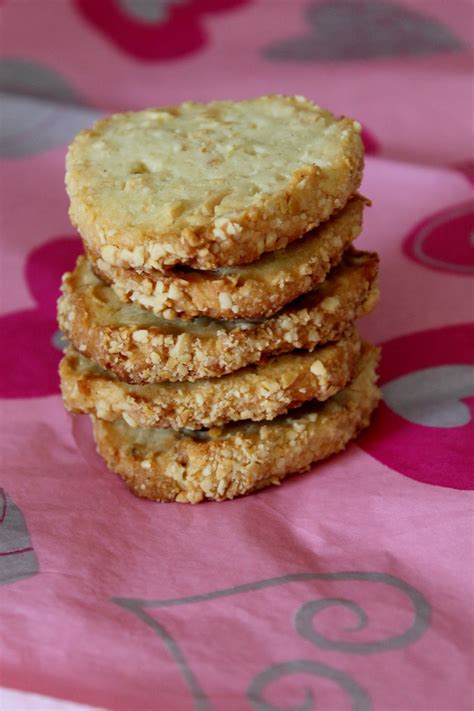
[[209, 185], [247, 291], [166, 465], [259, 392], [140, 347]]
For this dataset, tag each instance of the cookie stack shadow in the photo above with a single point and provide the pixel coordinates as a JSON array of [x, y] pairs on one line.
[[212, 319]]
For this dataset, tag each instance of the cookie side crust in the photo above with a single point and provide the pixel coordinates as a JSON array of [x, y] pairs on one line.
[[165, 465], [255, 393], [254, 290], [142, 348]]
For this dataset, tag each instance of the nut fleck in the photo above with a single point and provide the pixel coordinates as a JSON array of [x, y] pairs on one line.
[[225, 300], [140, 336], [330, 304]]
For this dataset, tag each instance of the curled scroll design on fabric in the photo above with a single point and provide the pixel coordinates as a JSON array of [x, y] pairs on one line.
[[304, 619], [358, 696], [304, 625]]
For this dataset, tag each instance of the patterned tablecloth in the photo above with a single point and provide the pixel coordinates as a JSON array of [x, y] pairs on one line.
[[350, 587]]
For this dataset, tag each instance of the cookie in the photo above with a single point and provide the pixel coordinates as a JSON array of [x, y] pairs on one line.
[[260, 392], [248, 291], [209, 185], [142, 348], [165, 465]]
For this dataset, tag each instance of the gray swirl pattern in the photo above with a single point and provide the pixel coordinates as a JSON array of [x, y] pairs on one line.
[[304, 625], [359, 698]]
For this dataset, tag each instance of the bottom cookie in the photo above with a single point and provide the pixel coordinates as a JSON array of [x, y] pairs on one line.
[[222, 463]]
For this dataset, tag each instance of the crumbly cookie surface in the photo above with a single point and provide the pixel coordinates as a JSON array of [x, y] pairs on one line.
[[252, 290], [140, 347], [255, 393], [165, 465], [209, 185]]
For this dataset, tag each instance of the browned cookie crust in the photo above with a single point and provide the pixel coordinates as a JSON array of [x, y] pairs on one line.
[[253, 290], [165, 465], [142, 348], [259, 392]]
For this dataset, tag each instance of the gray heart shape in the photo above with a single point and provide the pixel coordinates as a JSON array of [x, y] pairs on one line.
[[149, 11], [364, 29], [432, 396], [17, 557], [39, 109], [31, 125]]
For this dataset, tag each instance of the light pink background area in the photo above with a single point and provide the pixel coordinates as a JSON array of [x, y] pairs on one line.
[[367, 511]]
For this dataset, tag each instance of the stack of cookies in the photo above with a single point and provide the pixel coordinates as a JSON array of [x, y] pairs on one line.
[[211, 321]]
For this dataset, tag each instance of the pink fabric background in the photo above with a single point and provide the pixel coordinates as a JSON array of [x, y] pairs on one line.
[[392, 515]]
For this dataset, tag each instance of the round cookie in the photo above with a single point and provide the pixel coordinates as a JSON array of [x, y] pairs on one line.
[[209, 185], [142, 348], [256, 393], [165, 465], [248, 291]]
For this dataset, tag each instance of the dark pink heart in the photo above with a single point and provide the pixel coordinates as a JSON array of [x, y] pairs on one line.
[[30, 354], [425, 428]]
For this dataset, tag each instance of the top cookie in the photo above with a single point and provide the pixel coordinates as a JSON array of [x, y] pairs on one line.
[[210, 185]]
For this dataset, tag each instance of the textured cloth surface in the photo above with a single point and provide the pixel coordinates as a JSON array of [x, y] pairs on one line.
[[349, 587]]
